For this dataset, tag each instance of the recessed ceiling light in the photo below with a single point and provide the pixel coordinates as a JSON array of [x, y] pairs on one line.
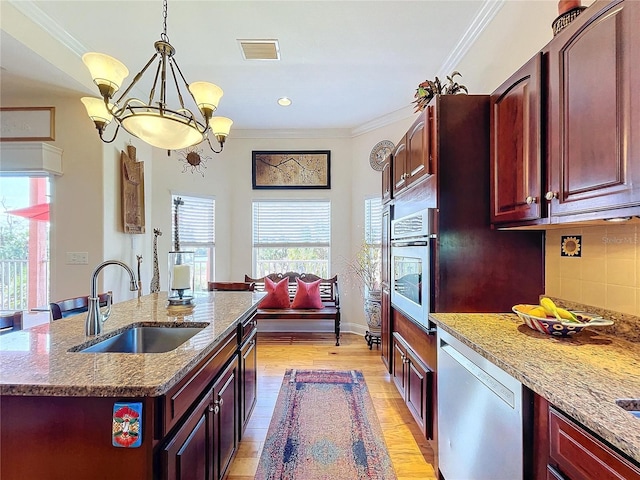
[[284, 101]]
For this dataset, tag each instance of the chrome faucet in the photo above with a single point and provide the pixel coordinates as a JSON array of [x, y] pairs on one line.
[[95, 318]]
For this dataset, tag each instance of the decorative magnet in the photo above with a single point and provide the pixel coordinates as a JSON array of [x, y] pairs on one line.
[[126, 431]]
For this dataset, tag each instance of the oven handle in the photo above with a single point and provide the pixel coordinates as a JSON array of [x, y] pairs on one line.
[[414, 243]]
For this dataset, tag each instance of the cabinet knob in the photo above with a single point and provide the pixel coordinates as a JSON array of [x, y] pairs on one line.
[[219, 402], [531, 200], [551, 195]]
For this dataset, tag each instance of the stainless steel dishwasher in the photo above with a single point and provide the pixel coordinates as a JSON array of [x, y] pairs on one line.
[[480, 416]]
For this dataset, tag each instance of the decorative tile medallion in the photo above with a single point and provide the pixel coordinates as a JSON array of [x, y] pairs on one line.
[[126, 429], [571, 245]]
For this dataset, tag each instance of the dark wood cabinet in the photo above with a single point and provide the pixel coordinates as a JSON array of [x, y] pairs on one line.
[[385, 327], [399, 168], [386, 180], [562, 449], [517, 184], [414, 381], [249, 378], [412, 157], [577, 455], [189, 453], [594, 166], [225, 419]]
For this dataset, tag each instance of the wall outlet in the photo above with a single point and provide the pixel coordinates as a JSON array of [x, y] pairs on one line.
[[77, 258]]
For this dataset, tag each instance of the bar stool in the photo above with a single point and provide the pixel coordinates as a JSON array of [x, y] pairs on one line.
[[10, 321], [73, 306]]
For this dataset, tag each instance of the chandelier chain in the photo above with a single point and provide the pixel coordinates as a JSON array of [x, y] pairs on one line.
[[164, 35]]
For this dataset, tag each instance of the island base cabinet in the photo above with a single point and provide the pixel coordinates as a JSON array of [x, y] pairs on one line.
[[58, 438], [205, 443], [189, 454], [249, 380]]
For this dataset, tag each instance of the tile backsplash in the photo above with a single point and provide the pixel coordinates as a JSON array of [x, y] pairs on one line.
[[607, 272]]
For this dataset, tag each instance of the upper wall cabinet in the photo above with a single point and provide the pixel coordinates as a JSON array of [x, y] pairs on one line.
[[516, 146], [386, 181], [565, 145], [412, 156], [594, 114]]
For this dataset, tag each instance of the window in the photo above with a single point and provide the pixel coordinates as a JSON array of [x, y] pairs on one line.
[[291, 236], [373, 221], [373, 237], [24, 242], [197, 233]]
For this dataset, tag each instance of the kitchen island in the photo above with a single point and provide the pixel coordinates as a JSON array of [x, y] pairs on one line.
[[58, 404], [581, 377]]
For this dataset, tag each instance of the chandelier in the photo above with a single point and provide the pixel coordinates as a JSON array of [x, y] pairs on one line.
[[153, 122]]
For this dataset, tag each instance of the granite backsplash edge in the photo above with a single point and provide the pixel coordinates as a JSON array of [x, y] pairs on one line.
[[625, 326]]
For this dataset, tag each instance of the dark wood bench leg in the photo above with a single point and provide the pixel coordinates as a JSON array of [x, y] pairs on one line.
[[338, 330]]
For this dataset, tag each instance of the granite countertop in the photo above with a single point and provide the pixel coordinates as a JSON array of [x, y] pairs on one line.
[[582, 375], [37, 361]]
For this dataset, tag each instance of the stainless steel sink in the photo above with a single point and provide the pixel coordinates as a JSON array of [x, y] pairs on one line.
[[630, 405], [144, 339]]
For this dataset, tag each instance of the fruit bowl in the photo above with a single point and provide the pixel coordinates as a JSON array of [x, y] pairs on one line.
[[552, 326]]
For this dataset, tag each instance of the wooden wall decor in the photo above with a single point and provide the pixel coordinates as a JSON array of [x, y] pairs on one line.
[[132, 192], [291, 169]]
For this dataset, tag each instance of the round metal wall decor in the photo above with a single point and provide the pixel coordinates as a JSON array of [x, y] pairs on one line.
[[379, 154]]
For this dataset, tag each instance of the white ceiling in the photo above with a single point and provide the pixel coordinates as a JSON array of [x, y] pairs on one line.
[[344, 64]]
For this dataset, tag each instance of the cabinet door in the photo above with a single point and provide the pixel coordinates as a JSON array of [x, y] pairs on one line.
[[225, 419], [399, 169], [516, 146], [418, 149], [249, 380], [385, 327], [386, 181], [189, 453], [398, 366], [581, 456], [417, 388], [592, 73]]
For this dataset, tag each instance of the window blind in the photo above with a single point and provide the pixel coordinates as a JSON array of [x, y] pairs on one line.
[[196, 220], [373, 221], [291, 223]]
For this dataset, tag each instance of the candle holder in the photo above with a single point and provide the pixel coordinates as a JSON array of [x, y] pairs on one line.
[[181, 272]]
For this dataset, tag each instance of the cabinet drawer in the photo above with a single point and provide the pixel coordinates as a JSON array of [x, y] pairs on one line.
[[182, 396], [580, 456], [246, 329]]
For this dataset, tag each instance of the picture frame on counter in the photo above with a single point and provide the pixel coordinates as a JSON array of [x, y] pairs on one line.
[[27, 124], [291, 169]]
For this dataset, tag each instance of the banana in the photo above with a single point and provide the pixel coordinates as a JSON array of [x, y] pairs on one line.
[[552, 310], [567, 315]]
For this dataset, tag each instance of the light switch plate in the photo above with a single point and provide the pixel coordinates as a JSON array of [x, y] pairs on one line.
[[77, 258]]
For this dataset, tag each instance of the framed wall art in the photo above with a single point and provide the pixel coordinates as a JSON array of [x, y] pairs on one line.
[[300, 169], [27, 124]]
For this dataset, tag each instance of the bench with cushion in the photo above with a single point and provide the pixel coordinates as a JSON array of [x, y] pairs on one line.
[[317, 299]]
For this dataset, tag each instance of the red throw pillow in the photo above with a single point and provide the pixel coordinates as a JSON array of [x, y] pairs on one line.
[[277, 294], [307, 295]]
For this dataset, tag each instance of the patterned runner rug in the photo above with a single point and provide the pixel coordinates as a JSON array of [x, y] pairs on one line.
[[324, 427]]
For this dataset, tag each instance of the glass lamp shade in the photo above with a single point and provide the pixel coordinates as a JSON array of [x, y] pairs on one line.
[[97, 110], [168, 131], [181, 276], [107, 72], [207, 96], [220, 126]]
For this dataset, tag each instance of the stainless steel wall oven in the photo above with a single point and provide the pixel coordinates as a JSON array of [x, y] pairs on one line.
[[411, 238]]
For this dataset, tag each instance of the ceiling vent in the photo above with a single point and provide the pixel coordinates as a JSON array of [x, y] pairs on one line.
[[260, 49]]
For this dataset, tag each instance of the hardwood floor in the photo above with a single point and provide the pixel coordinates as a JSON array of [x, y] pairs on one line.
[[409, 451]]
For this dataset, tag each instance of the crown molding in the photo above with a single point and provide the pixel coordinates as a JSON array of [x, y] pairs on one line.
[[485, 15], [292, 133], [46, 23]]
